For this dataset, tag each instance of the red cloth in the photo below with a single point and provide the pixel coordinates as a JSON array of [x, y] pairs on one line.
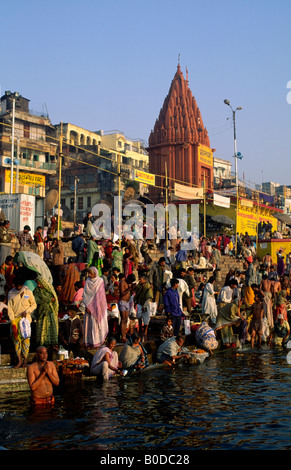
[[280, 309], [81, 266]]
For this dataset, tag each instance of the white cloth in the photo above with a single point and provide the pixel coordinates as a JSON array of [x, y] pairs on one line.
[[101, 367], [226, 295], [91, 287], [183, 288], [202, 262], [208, 302]]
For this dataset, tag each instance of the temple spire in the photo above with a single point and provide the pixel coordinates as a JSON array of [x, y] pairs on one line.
[[179, 115], [179, 141]]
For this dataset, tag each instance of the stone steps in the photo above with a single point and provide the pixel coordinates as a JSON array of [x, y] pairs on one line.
[[16, 379], [11, 378]]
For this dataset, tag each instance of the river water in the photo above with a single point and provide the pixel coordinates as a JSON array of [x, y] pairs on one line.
[[235, 400]]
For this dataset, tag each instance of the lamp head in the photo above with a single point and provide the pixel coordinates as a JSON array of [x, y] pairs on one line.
[[227, 102]]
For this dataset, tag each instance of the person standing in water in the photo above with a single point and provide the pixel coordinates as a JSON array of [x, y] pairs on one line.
[[42, 376]]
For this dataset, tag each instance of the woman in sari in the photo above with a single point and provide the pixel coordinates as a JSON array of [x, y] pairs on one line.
[[228, 315], [105, 363], [78, 297], [92, 249], [32, 261], [46, 314], [250, 279], [72, 275], [127, 263], [280, 264], [95, 319], [8, 271], [133, 354], [117, 258]]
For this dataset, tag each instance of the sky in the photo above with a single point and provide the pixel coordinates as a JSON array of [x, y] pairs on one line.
[[109, 65]]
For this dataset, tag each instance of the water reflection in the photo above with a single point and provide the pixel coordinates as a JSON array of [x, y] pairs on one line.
[[235, 400]]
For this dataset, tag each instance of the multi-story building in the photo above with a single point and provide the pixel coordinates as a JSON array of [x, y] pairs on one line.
[[90, 167], [35, 147], [270, 187], [221, 173]]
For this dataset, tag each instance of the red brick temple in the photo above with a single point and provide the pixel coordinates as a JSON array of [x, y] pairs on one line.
[[179, 141]]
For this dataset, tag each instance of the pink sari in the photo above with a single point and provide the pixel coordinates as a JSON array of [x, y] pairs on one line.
[[95, 322]]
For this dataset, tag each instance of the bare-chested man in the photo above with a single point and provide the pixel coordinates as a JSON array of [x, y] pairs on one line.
[[266, 286], [267, 260], [276, 287], [42, 376], [256, 325]]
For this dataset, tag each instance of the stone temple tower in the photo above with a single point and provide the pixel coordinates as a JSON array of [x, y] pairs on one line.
[[179, 142]]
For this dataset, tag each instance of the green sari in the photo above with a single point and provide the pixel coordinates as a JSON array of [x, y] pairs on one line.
[[91, 250], [46, 314], [117, 259], [94, 261]]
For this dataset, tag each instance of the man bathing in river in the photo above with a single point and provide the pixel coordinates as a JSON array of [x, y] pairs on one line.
[[42, 376], [256, 325]]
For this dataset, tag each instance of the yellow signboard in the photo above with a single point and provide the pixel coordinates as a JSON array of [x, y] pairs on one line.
[[143, 177], [205, 155], [248, 218], [28, 179], [248, 221], [272, 247]]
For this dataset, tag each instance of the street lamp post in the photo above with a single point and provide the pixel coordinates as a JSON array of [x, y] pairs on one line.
[[14, 97], [75, 200], [227, 102]]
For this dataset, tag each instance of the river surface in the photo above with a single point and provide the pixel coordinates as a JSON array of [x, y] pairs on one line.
[[236, 400]]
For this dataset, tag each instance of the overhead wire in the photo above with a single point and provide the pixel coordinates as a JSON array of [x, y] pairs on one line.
[[110, 150]]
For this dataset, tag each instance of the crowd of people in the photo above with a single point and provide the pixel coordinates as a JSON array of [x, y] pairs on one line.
[[254, 300], [109, 290]]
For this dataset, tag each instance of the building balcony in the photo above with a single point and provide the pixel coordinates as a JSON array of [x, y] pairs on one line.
[[30, 165]]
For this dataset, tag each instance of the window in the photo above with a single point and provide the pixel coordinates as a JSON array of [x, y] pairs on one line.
[[80, 203], [72, 203], [89, 202], [26, 131], [70, 179], [89, 178]]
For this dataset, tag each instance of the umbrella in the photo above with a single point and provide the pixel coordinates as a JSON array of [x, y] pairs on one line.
[[223, 219], [34, 262], [285, 218]]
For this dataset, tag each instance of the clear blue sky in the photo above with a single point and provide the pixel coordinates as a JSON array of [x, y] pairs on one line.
[[109, 65]]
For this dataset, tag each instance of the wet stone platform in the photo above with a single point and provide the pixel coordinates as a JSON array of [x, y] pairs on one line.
[[15, 379]]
